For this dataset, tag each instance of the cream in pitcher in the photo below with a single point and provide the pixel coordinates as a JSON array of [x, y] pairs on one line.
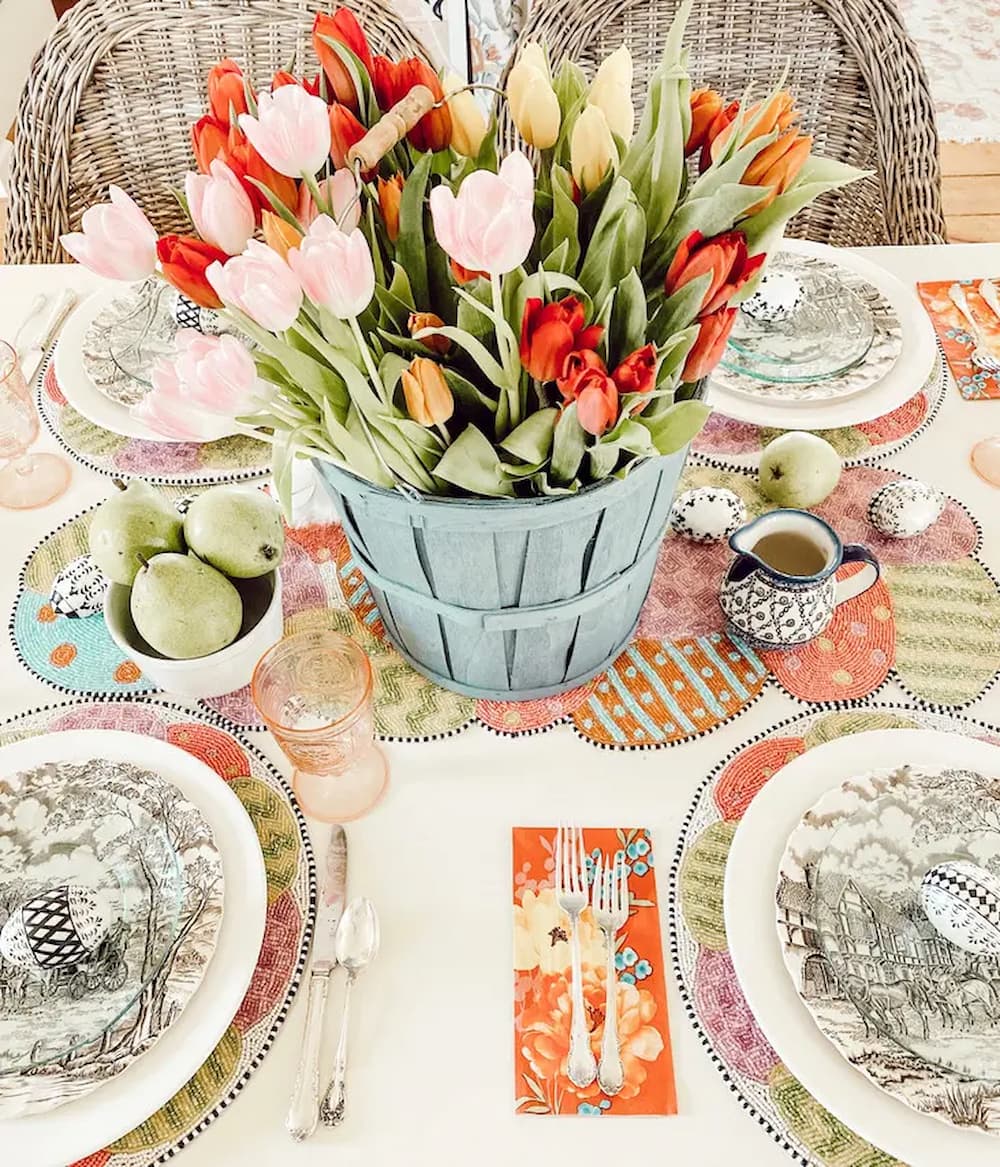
[[782, 589]]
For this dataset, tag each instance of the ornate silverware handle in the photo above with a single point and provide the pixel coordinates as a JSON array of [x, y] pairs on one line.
[[611, 1072], [335, 1099], [956, 293], [303, 1112], [582, 1067]]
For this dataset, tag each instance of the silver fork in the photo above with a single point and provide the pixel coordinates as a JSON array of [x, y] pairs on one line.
[[988, 291], [610, 902], [981, 355], [571, 895]]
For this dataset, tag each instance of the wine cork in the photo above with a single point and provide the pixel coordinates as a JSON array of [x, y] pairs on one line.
[[391, 128]]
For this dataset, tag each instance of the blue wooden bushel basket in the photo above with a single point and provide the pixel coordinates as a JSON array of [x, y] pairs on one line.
[[510, 599]]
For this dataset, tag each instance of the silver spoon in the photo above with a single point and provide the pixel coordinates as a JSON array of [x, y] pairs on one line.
[[356, 947]]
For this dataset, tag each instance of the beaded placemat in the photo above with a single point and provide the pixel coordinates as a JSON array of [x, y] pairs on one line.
[[231, 459], [710, 990], [737, 445], [932, 621], [291, 902]]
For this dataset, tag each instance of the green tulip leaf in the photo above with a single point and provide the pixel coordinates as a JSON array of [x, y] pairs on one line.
[[532, 440], [564, 228], [629, 317], [368, 110], [672, 429], [711, 216], [471, 463], [568, 447], [488, 364], [411, 245], [678, 311]]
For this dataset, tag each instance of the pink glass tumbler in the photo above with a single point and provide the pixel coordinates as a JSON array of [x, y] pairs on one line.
[[28, 480], [314, 692]]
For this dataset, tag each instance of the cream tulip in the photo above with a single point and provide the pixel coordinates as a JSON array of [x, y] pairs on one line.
[[532, 100], [611, 92], [591, 148], [468, 125]]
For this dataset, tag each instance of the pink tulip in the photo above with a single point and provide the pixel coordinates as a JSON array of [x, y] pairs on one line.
[[117, 239], [259, 283], [220, 208], [291, 131], [489, 226], [334, 268], [340, 191]]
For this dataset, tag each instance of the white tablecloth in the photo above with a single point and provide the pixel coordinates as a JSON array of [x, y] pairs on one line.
[[431, 1059]]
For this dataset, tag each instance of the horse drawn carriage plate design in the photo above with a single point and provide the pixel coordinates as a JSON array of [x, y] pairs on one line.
[[914, 1012], [106, 869]]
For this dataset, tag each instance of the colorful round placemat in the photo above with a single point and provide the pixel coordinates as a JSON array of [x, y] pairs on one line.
[[233, 459], [932, 621], [709, 988], [291, 900], [737, 445]]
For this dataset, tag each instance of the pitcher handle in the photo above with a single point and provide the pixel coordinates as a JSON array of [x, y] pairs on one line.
[[862, 580]]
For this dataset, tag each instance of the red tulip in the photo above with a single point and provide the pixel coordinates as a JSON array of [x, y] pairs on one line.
[[550, 332], [392, 82], [575, 367], [722, 120], [226, 90], [637, 373], [244, 161], [283, 77], [596, 402], [345, 132], [209, 139], [713, 332], [706, 105], [465, 275], [724, 257], [384, 82], [183, 260], [343, 28]]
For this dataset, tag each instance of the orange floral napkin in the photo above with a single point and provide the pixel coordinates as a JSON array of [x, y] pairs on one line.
[[953, 333], [542, 983]]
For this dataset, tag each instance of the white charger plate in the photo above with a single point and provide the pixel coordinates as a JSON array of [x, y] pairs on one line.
[[79, 1128], [903, 380], [751, 877], [81, 392]]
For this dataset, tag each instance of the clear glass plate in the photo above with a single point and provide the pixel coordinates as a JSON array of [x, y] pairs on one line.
[[830, 330], [58, 829]]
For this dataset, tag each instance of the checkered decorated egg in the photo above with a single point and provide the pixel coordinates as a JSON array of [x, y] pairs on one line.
[[79, 588], [962, 901], [777, 297], [707, 514], [57, 929], [905, 508]]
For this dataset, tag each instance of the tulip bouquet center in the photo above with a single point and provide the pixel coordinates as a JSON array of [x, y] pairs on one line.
[[450, 321]]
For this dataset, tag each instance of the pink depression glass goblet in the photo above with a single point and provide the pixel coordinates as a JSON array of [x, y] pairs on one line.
[[314, 691], [28, 480]]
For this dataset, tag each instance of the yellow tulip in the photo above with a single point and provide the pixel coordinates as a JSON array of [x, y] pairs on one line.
[[468, 125], [532, 100], [428, 398], [591, 148], [611, 92], [279, 235]]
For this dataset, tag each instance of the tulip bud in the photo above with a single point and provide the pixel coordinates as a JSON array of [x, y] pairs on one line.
[[777, 166], [226, 90], [345, 132], [533, 103], [468, 126], [421, 320], [706, 105], [591, 148], [209, 140], [719, 124], [611, 92], [428, 398], [184, 262], [465, 275], [279, 235], [390, 193], [343, 28]]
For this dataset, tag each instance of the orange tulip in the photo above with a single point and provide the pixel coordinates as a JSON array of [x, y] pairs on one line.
[[343, 28], [183, 260], [283, 77], [244, 161], [777, 114], [722, 120], [226, 90], [421, 320], [585, 380], [713, 332], [345, 132], [777, 166], [706, 105], [392, 82], [428, 398], [209, 139], [384, 82], [279, 234], [723, 257], [550, 332], [465, 275], [390, 192], [637, 372], [576, 365]]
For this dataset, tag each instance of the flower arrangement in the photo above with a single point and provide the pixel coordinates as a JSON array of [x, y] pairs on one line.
[[444, 320]]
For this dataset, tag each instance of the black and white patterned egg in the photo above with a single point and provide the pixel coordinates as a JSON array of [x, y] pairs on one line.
[[183, 504], [777, 297], [707, 514], [78, 589], [905, 508], [962, 901], [56, 929]]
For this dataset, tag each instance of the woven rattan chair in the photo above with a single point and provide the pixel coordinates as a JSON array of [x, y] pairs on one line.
[[853, 70], [116, 87]]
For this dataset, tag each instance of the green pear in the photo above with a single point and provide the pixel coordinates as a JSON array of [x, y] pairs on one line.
[[799, 469], [237, 530], [184, 608], [137, 522]]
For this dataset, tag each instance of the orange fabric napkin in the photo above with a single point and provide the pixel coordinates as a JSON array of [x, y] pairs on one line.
[[542, 983], [952, 331]]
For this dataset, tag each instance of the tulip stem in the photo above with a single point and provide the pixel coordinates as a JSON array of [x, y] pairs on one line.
[[506, 357], [322, 204], [440, 427], [366, 356]]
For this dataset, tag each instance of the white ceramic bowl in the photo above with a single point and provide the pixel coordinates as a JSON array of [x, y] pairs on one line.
[[220, 672]]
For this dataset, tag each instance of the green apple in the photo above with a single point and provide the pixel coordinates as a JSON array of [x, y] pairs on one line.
[[236, 529], [137, 522], [184, 608], [799, 470]]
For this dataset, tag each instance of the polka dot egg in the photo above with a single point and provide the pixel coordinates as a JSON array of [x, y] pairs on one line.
[[962, 901], [707, 514]]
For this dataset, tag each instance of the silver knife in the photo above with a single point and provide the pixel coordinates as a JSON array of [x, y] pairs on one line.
[[303, 1113]]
